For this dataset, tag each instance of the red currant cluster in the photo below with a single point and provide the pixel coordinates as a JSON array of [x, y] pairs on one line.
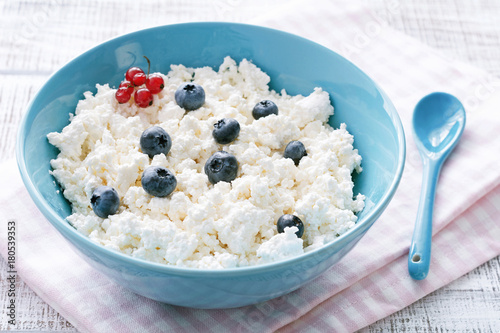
[[135, 78]]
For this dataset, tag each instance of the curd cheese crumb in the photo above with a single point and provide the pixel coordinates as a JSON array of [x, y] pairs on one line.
[[281, 246], [200, 224]]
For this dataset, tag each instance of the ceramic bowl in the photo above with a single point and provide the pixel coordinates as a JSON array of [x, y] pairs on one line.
[[293, 63]]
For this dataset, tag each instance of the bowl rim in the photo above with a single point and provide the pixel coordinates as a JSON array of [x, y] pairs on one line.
[[68, 231]]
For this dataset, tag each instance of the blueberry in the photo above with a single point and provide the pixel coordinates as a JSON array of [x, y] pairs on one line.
[[264, 109], [190, 96], [221, 166], [158, 181], [295, 150], [155, 140], [105, 201], [289, 220], [226, 130]]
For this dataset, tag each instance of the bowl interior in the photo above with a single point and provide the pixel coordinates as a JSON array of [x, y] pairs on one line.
[[293, 63]]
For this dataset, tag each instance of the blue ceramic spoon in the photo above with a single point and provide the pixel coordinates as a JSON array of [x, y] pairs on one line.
[[438, 123]]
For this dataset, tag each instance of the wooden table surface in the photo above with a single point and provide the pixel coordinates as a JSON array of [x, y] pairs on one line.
[[39, 36]]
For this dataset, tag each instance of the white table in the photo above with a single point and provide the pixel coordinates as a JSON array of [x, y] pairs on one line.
[[38, 37]]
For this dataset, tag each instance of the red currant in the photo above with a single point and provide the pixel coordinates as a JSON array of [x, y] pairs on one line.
[[143, 97], [123, 95], [155, 83], [132, 71], [139, 79], [128, 85]]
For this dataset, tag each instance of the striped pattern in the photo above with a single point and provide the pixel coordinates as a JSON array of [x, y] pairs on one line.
[[371, 282], [470, 37], [13, 100]]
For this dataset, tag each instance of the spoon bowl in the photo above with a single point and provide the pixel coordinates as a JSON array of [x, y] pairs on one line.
[[438, 123]]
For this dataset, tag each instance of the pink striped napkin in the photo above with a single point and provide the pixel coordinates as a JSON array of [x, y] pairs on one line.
[[371, 282]]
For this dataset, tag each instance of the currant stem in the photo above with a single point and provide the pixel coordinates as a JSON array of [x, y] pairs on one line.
[[149, 63]]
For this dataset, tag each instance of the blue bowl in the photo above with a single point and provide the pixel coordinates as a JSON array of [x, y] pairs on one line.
[[293, 63]]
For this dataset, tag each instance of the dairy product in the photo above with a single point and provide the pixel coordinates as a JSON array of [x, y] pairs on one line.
[[203, 225]]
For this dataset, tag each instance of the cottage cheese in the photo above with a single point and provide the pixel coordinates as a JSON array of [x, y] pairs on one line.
[[203, 225]]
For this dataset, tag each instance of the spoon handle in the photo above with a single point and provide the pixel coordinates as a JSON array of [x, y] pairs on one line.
[[419, 257]]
